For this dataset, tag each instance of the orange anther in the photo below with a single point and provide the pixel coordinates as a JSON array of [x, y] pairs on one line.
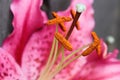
[[59, 20], [98, 49], [63, 41], [95, 37], [61, 24], [73, 16], [55, 14], [93, 46]]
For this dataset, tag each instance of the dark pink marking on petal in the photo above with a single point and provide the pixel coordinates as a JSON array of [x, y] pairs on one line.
[[9, 69], [99, 70], [37, 51]]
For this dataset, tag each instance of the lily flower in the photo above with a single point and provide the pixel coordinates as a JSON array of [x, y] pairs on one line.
[[32, 51]]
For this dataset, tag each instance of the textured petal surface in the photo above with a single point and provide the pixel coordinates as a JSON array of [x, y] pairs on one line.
[[102, 69], [9, 69], [27, 18], [36, 52]]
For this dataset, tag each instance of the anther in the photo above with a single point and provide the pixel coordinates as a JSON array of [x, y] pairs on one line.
[[73, 16], [98, 49], [79, 9], [55, 15], [58, 20], [63, 41], [93, 46], [96, 39], [61, 24]]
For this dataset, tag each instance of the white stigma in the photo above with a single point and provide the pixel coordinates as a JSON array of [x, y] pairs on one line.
[[80, 7], [111, 39]]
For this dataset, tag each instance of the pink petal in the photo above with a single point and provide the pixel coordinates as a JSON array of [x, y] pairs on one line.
[[104, 67], [9, 69], [27, 18], [113, 54], [100, 70]]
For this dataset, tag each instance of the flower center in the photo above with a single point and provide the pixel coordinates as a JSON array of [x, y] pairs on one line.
[[51, 68]]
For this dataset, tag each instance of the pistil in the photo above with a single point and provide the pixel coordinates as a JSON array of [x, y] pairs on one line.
[[79, 9]]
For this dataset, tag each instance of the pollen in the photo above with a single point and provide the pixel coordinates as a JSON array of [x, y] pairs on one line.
[[93, 46], [63, 41], [73, 16]]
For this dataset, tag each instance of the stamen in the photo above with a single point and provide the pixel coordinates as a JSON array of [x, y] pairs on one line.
[[59, 20], [63, 41], [93, 46], [62, 26], [79, 10], [51, 59], [66, 61], [73, 16]]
